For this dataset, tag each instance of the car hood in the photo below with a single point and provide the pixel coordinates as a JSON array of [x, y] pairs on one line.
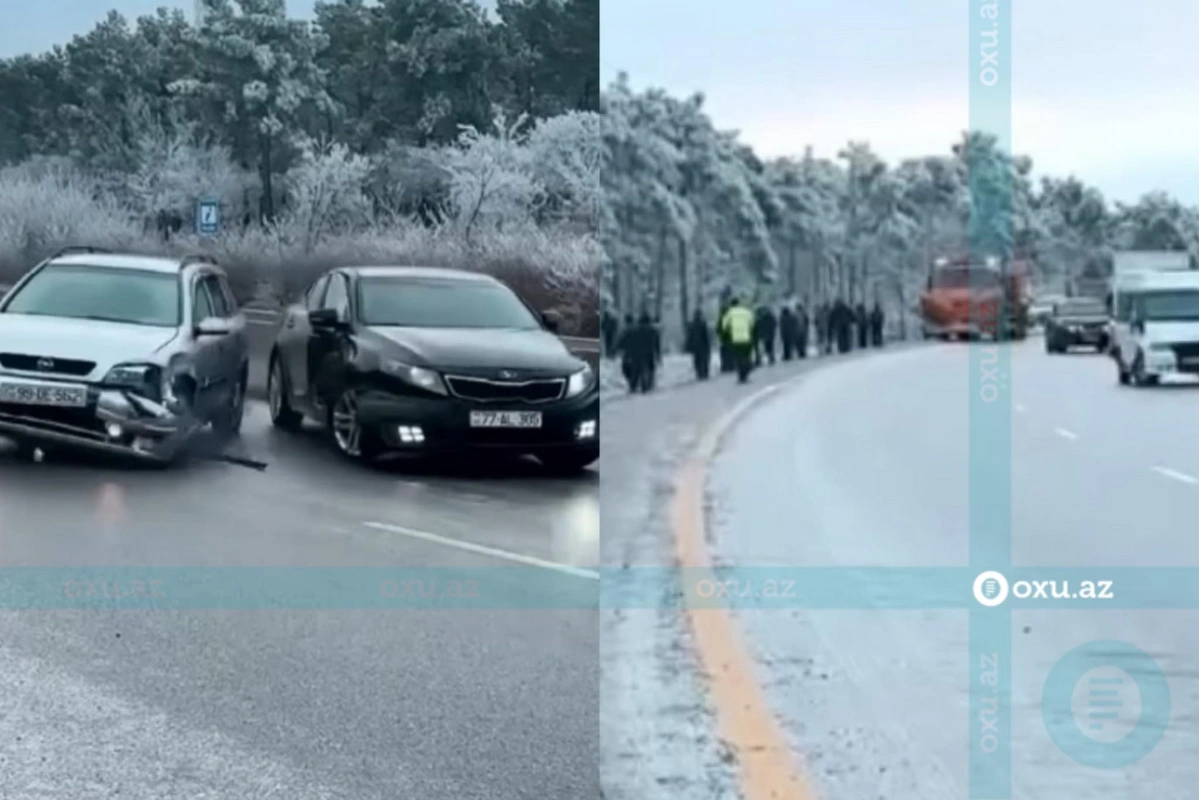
[[105, 343], [1172, 332], [475, 350]]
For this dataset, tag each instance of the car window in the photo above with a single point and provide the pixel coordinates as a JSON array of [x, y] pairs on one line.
[[337, 298], [110, 294], [438, 303], [216, 295], [231, 304], [316, 293], [202, 307]]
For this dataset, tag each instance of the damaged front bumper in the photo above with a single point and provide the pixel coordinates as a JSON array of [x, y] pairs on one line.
[[114, 421]]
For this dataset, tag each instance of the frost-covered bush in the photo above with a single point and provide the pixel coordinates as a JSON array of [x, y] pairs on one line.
[[334, 207], [47, 205]]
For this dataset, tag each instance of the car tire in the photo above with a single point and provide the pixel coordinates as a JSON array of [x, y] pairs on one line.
[[228, 424], [1139, 378], [353, 440], [570, 462], [282, 414]]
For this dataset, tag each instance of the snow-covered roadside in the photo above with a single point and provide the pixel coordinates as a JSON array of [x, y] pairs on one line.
[[676, 370]]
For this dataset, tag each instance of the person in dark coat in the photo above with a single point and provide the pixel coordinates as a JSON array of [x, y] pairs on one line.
[[862, 318], [608, 330], [699, 345], [627, 345], [876, 324], [801, 330], [646, 349], [842, 325], [824, 328], [767, 332], [787, 331], [655, 349]]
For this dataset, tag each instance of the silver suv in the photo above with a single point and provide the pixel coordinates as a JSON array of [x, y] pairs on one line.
[[121, 353]]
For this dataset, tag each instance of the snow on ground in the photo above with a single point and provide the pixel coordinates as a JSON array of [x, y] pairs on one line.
[[676, 370]]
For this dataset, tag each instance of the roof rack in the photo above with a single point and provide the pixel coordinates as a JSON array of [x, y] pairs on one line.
[[66, 251], [197, 258]]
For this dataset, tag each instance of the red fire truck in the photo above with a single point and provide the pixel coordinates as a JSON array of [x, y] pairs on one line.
[[969, 298]]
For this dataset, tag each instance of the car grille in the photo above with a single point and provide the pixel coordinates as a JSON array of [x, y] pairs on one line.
[[1187, 356], [486, 391], [60, 366]]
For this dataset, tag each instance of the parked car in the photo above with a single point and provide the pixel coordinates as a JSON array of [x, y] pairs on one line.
[[422, 361], [123, 354], [1077, 322]]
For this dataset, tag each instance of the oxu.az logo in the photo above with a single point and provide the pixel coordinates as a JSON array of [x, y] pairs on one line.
[[1106, 704]]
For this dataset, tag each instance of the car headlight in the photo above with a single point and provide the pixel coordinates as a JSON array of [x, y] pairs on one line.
[[420, 377], [146, 379], [579, 382]]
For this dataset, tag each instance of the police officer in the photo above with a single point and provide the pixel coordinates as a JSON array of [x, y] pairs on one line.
[[726, 352], [738, 325], [699, 344]]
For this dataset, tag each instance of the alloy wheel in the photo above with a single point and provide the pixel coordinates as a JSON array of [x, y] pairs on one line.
[[347, 432]]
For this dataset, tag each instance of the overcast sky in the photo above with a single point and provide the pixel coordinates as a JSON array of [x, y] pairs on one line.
[[1101, 88]]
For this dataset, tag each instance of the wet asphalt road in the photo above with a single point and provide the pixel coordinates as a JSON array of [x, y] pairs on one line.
[[867, 464], [159, 704]]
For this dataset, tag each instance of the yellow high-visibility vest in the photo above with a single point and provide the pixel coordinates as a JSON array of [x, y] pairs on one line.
[[738, 323]]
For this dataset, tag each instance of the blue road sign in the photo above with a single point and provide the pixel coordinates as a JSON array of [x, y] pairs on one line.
[[208, 217]]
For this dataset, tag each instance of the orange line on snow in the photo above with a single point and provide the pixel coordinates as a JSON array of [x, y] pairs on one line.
[[769, 769]]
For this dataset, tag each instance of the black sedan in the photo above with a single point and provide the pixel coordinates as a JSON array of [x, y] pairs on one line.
[[423, 361], [1077, 322]]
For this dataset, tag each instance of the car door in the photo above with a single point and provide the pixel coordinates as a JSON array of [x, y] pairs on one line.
[[325, 344], [294, 332], [238, 354], [208, 350]]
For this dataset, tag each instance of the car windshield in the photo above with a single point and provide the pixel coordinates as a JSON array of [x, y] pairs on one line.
[[137, 297], [1178, 305], [441, 303], [965, 278], [1081, 308]]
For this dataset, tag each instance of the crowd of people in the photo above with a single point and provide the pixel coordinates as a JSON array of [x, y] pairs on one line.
[[745, 338]]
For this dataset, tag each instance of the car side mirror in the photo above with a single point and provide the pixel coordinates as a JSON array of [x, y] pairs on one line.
[[324, 318], [214, 326], [552, 321]]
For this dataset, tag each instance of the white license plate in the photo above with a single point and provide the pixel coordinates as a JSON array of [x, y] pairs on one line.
[[505, 419], [43, 394]]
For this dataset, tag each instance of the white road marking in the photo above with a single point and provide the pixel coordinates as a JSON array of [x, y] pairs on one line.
[[1065, 434], [470, 547], [1176, 475]]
